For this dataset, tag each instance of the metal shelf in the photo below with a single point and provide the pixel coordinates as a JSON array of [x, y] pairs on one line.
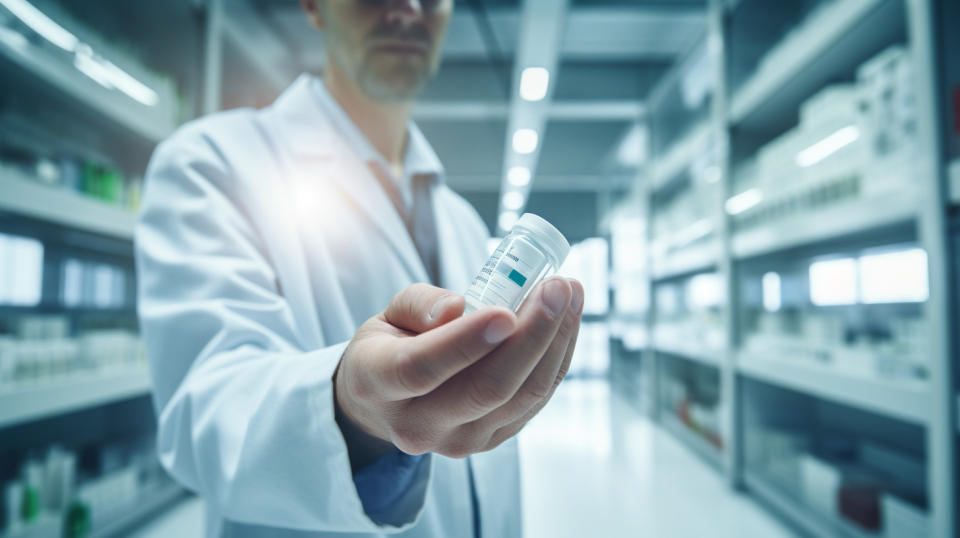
[[696, 443], [905, 400], [71, 394], [693, 259], [804, 517], [139, 509], [954, 173], [813, 56], [689, 351], [679, 156], [61, 206], [832, 222], [145, 121]]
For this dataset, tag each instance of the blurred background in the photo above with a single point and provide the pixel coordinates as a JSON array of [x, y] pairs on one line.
[[763, 199]]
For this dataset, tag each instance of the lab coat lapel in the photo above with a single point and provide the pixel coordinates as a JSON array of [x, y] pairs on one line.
[[321, 155]]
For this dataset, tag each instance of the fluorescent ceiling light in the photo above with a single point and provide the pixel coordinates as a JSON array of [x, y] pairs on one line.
[[894, 277], [525, 141], [513, 200], [519, 176], [41, 24], [110, 76], [743, 201], [828, 146], [533, 83], [772, 296], [833, 282], [507, 219]]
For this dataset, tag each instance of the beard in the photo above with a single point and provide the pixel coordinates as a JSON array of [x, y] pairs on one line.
[[391, 77]]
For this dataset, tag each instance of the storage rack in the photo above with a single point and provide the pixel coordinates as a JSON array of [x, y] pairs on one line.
[[768, 100], [45, 80]]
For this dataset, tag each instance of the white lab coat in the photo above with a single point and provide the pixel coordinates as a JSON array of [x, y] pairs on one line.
[[263, 243]]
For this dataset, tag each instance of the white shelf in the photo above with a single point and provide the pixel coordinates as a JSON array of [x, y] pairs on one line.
[[71, 393], [808, 520], [954, 175], [692, 440], [849, 32], [906, 400], [831, 222], [150, 123], [680, 156], [688, 350], [139, 509], [693, 259], [61, 206]]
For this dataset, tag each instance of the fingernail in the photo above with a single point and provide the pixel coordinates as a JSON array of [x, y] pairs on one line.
[[577, 300], [498, 330], [438, 307], [554, 297]]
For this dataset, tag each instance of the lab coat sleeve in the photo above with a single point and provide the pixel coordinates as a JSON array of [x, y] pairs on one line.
[[245, 416]]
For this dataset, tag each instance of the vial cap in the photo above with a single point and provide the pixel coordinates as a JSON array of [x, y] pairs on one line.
[[550, 237]]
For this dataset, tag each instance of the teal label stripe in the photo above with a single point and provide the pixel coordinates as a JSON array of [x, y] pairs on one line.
[[517, 277]]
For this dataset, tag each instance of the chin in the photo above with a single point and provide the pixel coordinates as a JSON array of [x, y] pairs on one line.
[[400, 84]]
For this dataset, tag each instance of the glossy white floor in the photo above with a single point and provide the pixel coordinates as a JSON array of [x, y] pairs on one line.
[[594, 466]]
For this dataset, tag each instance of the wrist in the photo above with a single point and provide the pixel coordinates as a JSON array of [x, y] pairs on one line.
[[363, 447]]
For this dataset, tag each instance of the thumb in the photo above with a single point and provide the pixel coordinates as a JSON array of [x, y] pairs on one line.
[[421, 307]]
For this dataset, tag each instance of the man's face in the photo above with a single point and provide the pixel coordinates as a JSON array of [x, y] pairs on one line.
[[388, 48]]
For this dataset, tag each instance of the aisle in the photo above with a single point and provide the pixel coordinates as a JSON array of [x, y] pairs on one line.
[[593, 465]]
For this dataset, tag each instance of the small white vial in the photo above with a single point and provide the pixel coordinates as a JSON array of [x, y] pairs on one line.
[[532, 251]]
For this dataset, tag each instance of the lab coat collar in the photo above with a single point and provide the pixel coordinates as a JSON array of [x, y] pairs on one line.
[[322, 154]]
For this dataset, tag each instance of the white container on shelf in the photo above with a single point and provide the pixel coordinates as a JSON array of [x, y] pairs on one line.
[[902, 519], [820, 483]]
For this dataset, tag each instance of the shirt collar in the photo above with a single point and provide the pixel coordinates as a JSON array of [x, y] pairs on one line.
[[419, 157]]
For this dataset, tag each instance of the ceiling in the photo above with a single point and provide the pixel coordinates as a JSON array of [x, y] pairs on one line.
[[609, 55]]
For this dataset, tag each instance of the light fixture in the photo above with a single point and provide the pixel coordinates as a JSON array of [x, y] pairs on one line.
[[507, 219], [525, 141], [513, 200], [743, 201], [828, 146], [41, 24], [519, 176], [110, 76], [533, 83]]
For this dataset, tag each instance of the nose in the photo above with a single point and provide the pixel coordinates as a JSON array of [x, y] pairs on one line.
[[405, 12]]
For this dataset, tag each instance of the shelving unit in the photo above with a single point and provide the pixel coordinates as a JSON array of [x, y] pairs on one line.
[[811, 57], [800, 515], [139, 509], [905, 400], [830, 223], [71, 393], [689, 260], [689, 438], [60, 206], [687, 351], [755, 103], [116, 110]]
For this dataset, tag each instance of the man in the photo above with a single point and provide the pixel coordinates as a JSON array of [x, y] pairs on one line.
[[266, 238]]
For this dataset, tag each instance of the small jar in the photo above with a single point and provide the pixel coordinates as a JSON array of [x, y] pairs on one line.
[[532, 251]]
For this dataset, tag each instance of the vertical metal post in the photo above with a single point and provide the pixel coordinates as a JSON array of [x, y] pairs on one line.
[[932, 224], [729, 386], [212, 56]]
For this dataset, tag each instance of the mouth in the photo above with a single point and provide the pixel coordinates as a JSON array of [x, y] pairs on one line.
[[400, 47]]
